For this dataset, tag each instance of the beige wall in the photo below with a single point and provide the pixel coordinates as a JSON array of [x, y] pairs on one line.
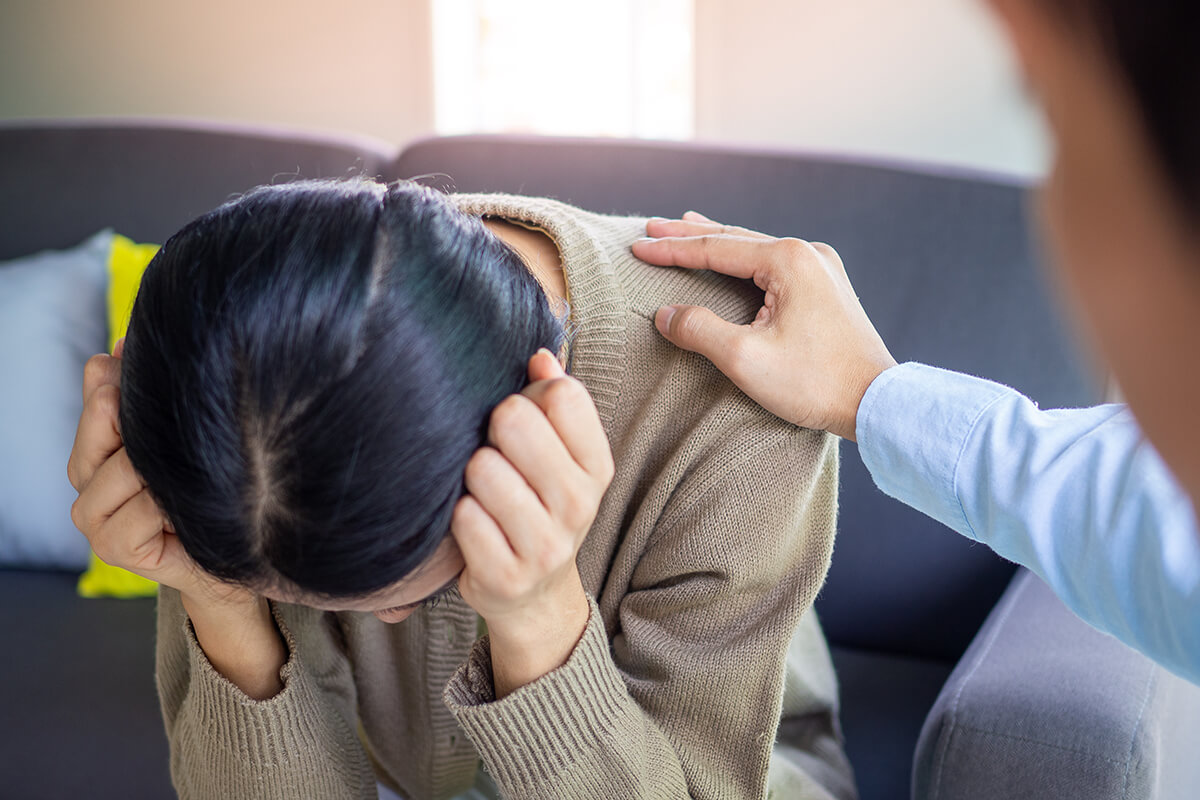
[[923, 79], [357, 65]]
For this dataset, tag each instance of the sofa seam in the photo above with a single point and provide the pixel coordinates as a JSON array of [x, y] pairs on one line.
[[1136, 728], [1040, 743]]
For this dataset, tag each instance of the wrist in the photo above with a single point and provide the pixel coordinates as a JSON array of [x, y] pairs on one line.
[[241, 642], [846, 425], [526, 646]]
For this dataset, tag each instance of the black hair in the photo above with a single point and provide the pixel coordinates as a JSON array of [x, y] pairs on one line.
[[1151, 44], [307, 371]]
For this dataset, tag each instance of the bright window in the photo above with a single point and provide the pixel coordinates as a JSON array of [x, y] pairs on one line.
[[564, 67]]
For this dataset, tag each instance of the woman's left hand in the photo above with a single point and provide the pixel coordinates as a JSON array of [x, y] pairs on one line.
[[533, 493]]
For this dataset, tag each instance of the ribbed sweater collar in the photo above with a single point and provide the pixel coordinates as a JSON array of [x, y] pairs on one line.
[[596, 299]]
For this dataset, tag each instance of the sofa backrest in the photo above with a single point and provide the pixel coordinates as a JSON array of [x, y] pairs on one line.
[[62, 181], [944, 266]]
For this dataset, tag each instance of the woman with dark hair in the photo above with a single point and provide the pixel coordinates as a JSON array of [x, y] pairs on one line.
[[326, 418], [1100, 502]]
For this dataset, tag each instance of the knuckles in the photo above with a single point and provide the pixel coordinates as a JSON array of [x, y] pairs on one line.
[[97, 370], [798, 251], [740, 351], [509, 416], [794, 250], [482, 464], [553, 555], [828, 253], [86, 518], [577, 511], [607, 470], [73, 471], [688, 323], [563, 393], [103, 407], [77, 517]]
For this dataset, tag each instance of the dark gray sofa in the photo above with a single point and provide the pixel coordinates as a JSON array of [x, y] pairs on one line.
[[961, 676]]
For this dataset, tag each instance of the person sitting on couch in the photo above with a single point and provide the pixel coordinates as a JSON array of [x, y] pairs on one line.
[[320, 424]]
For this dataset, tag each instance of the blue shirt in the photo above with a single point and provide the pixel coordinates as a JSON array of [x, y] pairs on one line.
[[1078, 496]]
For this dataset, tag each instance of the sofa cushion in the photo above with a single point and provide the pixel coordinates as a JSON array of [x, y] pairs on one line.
[[79, 709], [1044, 705], [51, 320]]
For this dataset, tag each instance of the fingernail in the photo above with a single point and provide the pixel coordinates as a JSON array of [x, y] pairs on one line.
[[546, 352], [662, 320]]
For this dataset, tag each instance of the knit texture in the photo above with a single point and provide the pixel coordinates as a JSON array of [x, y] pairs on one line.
[[707, 552]]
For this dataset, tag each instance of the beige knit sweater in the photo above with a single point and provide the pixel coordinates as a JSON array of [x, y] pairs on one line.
[[708, 548]]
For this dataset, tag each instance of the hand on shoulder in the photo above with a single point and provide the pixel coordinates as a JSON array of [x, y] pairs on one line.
[[810, 353]]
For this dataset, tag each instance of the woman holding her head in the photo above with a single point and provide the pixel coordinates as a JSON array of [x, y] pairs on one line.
[[393, 542]]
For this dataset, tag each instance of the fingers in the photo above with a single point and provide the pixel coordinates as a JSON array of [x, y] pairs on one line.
[[694, 224], [507, 498], [133, 537], [101, 369], [113, 483], [543, 366], [565, 402], [98, 435], [737, 256], [485, 548], [701, 331], [528, 440]]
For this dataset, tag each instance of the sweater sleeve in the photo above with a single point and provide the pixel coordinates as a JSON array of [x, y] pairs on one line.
[[683, 699], [300, 743]]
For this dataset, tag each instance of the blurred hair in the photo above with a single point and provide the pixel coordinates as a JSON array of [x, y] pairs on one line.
[[1152, 44], [308, 370]]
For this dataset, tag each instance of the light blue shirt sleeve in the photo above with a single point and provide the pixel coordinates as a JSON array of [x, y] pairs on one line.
[[1078, 496]]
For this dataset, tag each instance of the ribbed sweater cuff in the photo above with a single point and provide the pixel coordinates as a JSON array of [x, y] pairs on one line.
[[537, 733], [265, 733]]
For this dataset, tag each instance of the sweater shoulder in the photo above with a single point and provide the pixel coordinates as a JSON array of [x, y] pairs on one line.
[[594, 242]]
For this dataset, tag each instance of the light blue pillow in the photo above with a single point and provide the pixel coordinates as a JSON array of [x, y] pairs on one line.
[[52, 318]]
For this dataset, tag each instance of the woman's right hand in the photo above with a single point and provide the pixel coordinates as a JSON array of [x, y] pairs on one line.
[[127, 529]]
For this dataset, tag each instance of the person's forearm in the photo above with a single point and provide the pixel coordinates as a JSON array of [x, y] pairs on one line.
[[1076, 496], [241, 642]]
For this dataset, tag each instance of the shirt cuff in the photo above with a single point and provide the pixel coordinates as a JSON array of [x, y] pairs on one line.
[[530, 738], [912, 425]]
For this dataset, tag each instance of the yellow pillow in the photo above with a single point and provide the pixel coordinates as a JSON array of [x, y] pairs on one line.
[[126, 263]]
